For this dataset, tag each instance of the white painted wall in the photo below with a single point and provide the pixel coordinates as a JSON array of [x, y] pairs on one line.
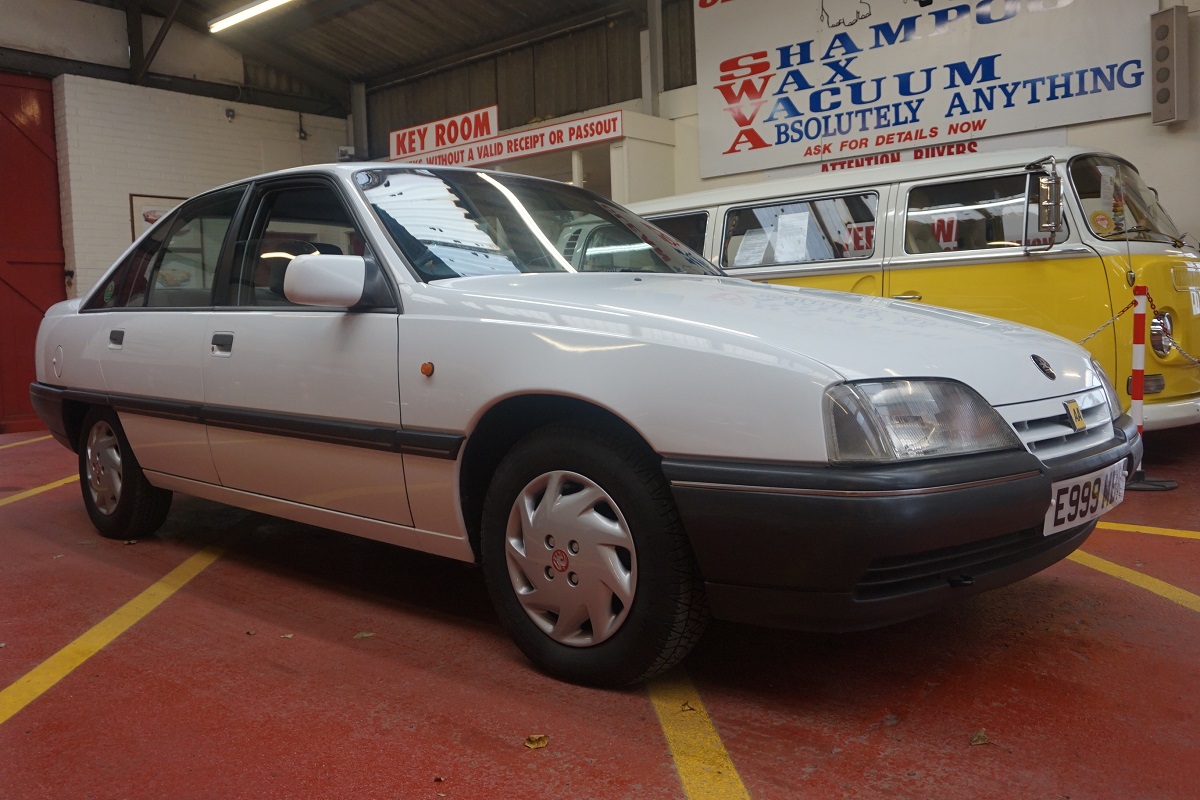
[[117, 140], [1168, 156]]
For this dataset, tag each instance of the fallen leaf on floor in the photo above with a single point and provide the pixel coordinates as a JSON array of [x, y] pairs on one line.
[[980, 738], [130, 541], [251, 633], [363, 635], [687, 707], [537, 741], [438, 778], [57, 556], [3, 644]]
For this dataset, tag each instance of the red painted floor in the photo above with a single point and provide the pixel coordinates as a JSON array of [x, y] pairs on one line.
[[255, 679]]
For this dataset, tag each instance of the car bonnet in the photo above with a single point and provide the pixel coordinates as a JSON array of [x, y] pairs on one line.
[[853, 336]]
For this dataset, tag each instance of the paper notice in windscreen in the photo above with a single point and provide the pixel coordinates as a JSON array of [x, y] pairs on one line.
[[791, 237]]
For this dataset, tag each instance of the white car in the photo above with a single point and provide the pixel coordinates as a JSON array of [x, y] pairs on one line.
[[627, 442]]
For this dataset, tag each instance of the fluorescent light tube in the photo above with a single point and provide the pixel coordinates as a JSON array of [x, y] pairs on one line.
[[242, 14]]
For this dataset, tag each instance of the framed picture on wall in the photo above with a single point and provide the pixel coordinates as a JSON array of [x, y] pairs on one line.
[[146, 209]]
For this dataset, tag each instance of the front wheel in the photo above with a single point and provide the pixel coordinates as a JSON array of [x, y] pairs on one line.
[[119, 500], [586, 559]]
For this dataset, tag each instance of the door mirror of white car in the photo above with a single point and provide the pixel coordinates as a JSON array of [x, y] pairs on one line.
[[319, 279]]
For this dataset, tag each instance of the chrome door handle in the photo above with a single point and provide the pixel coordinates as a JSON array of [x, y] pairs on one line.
[[912, 297]]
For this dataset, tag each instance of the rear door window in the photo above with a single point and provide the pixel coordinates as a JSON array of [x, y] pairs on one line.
[[175, 265], [800, 231]]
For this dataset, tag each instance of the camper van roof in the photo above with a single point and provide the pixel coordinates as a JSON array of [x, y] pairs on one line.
[[839, 180]]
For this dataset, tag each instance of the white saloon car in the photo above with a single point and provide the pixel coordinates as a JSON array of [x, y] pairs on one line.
[[627, 442]]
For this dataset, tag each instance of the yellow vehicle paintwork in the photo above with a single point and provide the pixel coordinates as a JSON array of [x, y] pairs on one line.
[[1069, 296], [1156, 272], [871, 283]]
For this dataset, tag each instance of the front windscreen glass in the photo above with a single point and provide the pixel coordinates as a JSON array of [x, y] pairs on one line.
[[1117, 202], [459, 223]]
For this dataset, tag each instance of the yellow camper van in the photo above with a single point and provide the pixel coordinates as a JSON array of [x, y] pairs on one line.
[[1054, 238]]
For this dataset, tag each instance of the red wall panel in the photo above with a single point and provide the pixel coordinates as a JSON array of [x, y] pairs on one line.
[[31, 249]]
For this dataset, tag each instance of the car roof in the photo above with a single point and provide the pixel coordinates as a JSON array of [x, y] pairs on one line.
[[864, 177]]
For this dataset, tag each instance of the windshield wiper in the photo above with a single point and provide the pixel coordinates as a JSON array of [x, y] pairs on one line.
[[1141, 230]]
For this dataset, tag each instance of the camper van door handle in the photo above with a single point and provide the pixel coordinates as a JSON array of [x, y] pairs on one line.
[[912, 297]]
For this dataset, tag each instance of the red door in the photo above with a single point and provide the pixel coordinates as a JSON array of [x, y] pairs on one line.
[[31, 248]]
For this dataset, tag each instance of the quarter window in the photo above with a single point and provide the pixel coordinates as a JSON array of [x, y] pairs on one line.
[[800, 231], [981, 214]]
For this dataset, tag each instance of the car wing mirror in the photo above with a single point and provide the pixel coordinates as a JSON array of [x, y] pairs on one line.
[[320, 279]]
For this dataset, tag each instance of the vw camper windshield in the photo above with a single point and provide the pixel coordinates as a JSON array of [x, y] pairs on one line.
[[1117, 202], [460, 223]]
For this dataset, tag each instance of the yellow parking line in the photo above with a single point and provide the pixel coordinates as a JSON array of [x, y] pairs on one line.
[[12, 498], [1120, 526], [705, 768], [1160, 588], [39, 679], [23, 441]]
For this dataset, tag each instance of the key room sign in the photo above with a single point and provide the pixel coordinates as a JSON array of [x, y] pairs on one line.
[[784, 82]]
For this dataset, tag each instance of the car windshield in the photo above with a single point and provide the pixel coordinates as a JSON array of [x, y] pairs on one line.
[[1117, 202], [460, 223]]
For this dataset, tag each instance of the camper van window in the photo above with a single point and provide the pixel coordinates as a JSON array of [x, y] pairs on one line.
[[686, 228], [799, 231], [981, 214]]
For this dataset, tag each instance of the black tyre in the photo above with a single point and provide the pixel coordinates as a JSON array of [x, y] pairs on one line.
[[586, 560], [120, 501]]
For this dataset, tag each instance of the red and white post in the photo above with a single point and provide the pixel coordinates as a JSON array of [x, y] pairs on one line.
[[1139, 355], [1139, 480]]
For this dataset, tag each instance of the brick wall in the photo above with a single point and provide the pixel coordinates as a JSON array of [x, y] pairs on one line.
[[117, 140]]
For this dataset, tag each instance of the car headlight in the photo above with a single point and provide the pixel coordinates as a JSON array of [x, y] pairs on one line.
[[1114, 399], [893, 420]]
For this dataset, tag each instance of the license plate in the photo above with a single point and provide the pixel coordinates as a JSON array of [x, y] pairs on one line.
[[1078, 500]]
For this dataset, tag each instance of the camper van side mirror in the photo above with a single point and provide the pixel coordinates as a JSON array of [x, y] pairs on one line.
[[1049, 203]]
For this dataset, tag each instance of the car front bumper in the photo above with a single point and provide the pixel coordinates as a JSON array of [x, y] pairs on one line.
[[848, 548]]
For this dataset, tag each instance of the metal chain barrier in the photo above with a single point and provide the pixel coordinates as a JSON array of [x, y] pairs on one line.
[[1170, 340], [1172, 343], [1115, 317], [1154, 311]]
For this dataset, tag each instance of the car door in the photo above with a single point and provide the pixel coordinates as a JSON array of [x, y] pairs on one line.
[[155, 308], [301, 402], [961, 243]]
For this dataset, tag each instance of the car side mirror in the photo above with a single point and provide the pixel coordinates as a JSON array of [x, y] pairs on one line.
[[319, 279]]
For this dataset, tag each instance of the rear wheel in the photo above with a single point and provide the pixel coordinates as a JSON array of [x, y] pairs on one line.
[[586, 560], [119, 500]]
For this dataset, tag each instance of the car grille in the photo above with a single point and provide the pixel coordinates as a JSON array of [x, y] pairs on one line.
[[901, 575], [1045, 425]]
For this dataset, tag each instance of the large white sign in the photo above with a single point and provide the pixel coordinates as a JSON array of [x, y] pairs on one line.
[[784, 82]]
